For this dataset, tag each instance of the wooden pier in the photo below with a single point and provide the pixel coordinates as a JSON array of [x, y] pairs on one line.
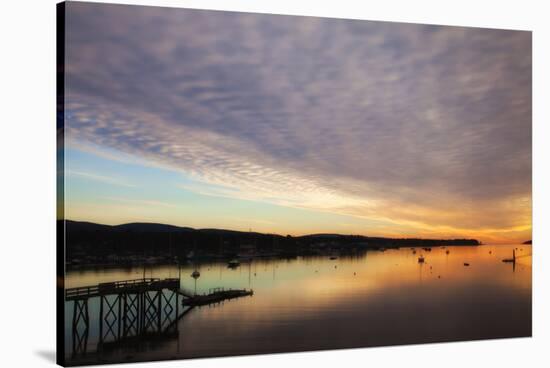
[[134, 309], [215, 296]]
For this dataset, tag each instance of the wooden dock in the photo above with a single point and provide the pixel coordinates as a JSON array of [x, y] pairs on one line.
[[215, 296], [135, 309]]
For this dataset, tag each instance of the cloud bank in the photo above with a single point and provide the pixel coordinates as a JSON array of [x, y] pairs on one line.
[[421, 126]]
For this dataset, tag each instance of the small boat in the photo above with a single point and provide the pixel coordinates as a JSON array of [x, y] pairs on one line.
[[447, 251], [333, 257], [234, 263], [421, 259], [414, 251], [466, 264]]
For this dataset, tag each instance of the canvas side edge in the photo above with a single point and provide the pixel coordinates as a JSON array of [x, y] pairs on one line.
[[60, 183]]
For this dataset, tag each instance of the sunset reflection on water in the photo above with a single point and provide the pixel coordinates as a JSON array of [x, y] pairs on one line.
[[309, 303]]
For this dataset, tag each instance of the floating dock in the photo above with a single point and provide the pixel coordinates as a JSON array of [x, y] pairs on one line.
[[215, 296]]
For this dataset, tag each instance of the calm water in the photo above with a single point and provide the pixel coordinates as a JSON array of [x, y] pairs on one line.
[[381, 298]]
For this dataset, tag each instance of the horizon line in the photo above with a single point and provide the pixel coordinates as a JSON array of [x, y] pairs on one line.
[[278, 234]]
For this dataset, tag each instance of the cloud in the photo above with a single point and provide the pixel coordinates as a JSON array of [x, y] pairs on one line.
[[413, 124], [140, 202], [99, 178]]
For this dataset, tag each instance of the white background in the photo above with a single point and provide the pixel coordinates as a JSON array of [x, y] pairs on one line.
[[27, 179]]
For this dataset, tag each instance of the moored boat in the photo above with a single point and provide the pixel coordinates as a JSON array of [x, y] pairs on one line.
[[234, 263]]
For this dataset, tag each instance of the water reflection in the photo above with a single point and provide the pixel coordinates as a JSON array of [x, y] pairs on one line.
[[381, 298]]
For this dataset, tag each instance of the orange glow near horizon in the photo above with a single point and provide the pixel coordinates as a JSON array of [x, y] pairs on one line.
[[296, 125], [312, 222]]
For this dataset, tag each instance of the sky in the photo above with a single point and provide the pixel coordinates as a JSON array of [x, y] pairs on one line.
[[296, 125]]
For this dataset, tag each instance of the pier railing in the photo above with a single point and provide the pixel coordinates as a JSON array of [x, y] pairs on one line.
[[117, 287]]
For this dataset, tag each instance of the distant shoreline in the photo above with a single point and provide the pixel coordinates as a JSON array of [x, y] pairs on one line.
[[131, 244], [167, 228]]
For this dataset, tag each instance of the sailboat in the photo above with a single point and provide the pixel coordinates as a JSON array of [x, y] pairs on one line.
[[196, 274], [511, 260]]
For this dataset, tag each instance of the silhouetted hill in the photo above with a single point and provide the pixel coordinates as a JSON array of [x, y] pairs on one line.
[[151, 227], [89, 243], [81, 226], [223, 232], [321, 236], [76, 226]]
